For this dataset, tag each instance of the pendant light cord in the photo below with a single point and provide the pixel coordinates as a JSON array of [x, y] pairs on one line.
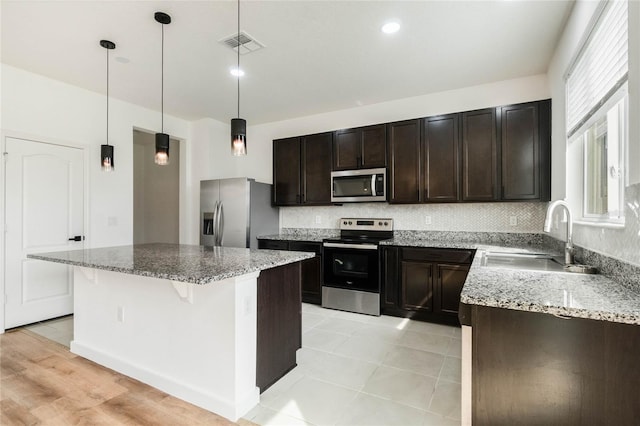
[[238, 59], [162, 83], [107, 96]]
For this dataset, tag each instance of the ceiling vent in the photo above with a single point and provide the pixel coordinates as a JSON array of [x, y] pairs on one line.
[[244, 41]]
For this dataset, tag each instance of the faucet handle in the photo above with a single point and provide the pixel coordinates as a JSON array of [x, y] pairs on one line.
[[569, 253]]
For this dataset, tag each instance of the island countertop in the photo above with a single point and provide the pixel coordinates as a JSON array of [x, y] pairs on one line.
[[176, 262]]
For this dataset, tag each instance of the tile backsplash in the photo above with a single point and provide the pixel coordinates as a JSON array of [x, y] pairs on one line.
[[475, 217]]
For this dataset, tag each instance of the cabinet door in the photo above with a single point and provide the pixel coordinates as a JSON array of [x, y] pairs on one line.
[[449, 282], [273, 244], [440, 158], [311, 271], [404, 161], [316, 168], [479, 156], [286, 172], [417, 286], [520, 152], [374, 147], [389, 285], [346, 149]]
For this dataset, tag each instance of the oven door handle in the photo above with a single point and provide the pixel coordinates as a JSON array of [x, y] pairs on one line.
[[352, 246]]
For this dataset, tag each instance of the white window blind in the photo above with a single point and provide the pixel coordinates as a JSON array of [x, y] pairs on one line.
[[601, 66]]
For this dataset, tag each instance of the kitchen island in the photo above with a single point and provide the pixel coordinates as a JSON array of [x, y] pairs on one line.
[[182, 318]]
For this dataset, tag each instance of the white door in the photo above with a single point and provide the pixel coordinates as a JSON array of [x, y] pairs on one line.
[[44, 187]]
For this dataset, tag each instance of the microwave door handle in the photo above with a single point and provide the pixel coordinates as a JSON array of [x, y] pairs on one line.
[[373, 184]]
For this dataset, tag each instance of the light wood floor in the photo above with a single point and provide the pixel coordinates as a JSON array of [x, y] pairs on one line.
[[42, 383]]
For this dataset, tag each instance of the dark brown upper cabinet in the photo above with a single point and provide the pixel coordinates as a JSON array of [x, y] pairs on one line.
[[316, 168], [403, 142], [440, 158], [286, 172], [525, 135], [363, 147], [302, 170], [479, 146]]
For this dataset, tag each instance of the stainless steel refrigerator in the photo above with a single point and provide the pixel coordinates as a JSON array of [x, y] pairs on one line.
[[233, 212]]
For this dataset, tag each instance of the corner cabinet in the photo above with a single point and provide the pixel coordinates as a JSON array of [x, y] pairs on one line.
[[525, 135], [302, 170], [424, 283], [360, 148]]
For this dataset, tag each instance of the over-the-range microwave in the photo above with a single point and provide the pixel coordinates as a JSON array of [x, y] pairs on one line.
[[363, 185]]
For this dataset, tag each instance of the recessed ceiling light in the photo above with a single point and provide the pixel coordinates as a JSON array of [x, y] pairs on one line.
[[390, 27], [237, 72], [122, 60]]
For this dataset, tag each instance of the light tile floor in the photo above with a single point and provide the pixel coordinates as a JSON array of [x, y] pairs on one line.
[[354, 370], [362, 370]]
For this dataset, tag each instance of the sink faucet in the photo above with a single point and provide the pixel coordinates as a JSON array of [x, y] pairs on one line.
[[568, 249]]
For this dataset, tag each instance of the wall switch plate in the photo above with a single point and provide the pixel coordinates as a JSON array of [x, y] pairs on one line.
[[427, 220], [513, 220], [112, 221], [318, 220], [120, 314]]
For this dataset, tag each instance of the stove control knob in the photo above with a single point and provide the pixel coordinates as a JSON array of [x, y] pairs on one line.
[[386, 223], [379, 223], [345, 222], [350, 223]]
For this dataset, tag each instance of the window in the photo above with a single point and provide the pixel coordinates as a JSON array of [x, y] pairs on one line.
[[596, 86]]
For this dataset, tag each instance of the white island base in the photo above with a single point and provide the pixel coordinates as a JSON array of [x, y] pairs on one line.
[[195, 342]]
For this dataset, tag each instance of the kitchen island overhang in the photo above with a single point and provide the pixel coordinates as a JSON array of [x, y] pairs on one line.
[[180, 318]]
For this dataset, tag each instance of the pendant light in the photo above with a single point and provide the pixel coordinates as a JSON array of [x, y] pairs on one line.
[[106, 151], [162, 139], [238, 125]]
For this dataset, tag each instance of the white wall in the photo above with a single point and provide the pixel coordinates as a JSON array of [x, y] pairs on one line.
[[621, 242], [257, 164], [49, 110]]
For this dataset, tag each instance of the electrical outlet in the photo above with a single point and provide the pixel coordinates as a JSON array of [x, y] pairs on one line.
[[513, 220], [120, 314], [318, 220], [427, 220]]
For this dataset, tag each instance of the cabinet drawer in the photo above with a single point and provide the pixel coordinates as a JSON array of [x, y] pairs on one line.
[[305, 246], [437, 255], [273, 244]]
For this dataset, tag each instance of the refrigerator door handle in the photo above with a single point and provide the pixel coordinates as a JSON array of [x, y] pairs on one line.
[[220, 224], [214, 222]]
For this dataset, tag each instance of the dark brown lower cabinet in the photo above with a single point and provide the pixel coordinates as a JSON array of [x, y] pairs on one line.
[[424, 283], [539, 369], [311, 275], [279, 333]]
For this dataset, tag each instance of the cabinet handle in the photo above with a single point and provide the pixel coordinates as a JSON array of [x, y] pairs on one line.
[[564, 317]]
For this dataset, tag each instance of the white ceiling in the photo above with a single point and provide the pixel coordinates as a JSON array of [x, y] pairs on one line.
[[320, 55]]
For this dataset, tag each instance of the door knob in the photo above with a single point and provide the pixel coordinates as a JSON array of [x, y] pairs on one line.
[[77, 238]]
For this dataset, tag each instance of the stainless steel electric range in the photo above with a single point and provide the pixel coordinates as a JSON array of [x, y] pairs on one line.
[[352, 265]]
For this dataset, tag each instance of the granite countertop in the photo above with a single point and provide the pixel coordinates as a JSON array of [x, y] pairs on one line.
[[311, 235], [559, 293], [176, 262]]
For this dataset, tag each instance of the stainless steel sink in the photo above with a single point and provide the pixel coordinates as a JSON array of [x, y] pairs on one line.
[[531, 262]]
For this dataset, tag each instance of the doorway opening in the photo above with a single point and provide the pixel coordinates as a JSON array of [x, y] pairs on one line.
[[156, 192]]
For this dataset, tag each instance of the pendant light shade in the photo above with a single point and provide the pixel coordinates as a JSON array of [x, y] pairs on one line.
[[162, 139], [238, 125], [162, 149], [238, 136], [106, 151]]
